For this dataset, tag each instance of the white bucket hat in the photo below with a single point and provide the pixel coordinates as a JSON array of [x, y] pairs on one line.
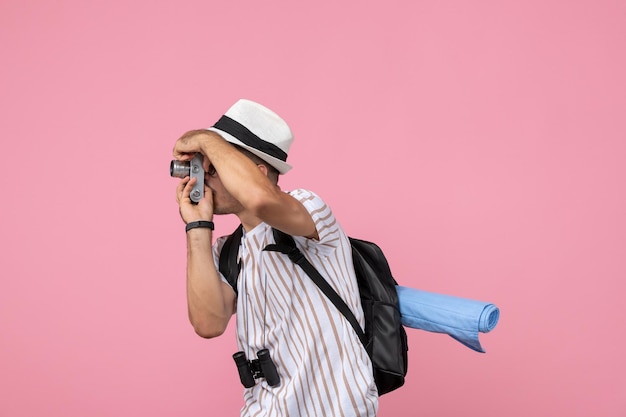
[[259, 130]]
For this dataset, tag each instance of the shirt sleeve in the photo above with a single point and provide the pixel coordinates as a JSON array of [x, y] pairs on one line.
[[217, 248], [328, 229]]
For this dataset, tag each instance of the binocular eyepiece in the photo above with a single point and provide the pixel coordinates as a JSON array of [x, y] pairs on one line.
[[193, 169], [262, 367]]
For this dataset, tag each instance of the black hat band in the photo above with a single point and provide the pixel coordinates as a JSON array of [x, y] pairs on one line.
[[242, 133]]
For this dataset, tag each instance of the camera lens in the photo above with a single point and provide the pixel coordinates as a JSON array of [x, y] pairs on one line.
[[179, 169]]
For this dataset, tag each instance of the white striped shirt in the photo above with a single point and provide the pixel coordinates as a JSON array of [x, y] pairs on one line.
[[324, 369]]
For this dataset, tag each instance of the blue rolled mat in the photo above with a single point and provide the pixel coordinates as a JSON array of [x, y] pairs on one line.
[[461, 318]]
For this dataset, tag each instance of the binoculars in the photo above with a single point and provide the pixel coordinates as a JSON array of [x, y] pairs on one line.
[[193, 169], [263, 367]]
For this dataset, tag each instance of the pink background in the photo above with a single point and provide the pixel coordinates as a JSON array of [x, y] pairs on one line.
[[481, 144]]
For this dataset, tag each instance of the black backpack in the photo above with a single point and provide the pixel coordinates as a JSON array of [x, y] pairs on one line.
[[384, 337]]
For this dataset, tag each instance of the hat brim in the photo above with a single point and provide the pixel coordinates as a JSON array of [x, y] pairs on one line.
[[281, 166]]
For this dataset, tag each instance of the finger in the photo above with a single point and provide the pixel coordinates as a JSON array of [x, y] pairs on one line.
[[183, 149], [205, 205], [188, 187], [183, 156], [189, 144], [180, 187]]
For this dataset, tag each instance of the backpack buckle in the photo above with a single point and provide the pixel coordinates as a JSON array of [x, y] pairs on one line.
[[295, 255]]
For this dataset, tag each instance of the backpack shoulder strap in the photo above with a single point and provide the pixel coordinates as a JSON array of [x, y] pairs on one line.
[[286, 245], [228, 265]]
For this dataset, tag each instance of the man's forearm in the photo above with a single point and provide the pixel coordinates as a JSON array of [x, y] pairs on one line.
[[209, 311], [239, 175]]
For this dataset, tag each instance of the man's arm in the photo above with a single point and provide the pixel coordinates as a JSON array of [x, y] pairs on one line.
[[210, 301], [248, 184]]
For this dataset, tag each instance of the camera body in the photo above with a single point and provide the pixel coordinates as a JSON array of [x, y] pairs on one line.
[[193, 169]]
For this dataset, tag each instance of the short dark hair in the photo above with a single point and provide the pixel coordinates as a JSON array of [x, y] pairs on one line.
[[272, 173]]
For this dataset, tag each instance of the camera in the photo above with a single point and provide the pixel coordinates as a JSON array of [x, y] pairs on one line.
[[193, 169], [262, 367]]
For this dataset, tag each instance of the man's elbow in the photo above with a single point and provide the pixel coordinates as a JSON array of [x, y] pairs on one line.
[[209, 330]]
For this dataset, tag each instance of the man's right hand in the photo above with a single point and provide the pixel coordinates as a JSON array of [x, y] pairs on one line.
[[189, 211]]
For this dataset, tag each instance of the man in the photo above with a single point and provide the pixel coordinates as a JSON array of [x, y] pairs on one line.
[[323, 368]]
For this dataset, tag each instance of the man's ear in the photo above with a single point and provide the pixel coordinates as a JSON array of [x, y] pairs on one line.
[[263, 169], [269, 174]]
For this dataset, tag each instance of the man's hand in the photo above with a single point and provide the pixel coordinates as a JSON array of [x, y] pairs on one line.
[[189, 211], [190, 143]]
